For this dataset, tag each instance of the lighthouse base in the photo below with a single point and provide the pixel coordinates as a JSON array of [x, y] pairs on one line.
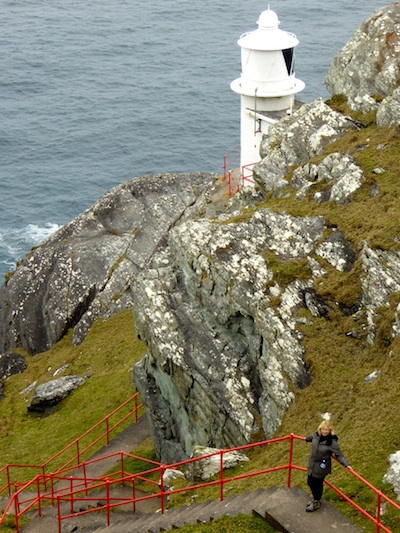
[[256, 119]]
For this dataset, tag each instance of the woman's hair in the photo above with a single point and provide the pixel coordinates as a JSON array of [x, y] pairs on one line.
[[326, 424]]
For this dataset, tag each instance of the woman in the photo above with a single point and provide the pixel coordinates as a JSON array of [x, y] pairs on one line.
[[324, 445]]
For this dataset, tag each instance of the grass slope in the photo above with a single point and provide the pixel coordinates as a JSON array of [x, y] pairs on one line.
[[107, 356]]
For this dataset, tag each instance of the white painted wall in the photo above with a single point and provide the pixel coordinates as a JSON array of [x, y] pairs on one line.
[[265, 83]]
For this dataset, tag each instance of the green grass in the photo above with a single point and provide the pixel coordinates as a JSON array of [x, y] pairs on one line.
[[106, 356]]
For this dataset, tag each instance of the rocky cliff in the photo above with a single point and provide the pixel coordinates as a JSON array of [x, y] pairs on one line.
[[220, 290]]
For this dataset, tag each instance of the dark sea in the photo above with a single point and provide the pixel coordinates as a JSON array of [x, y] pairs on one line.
[[95, 93]]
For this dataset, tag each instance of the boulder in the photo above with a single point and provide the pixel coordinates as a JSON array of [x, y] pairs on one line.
[[211, 464], [337, 251], [53, 392], [367, 68], [392, 475]]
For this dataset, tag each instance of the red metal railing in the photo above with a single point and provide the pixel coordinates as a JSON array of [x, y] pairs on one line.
[[231, 161], [78, 490], [246, 174], [106, 426]]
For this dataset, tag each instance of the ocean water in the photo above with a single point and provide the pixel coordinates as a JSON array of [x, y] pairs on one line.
[[95, 93]]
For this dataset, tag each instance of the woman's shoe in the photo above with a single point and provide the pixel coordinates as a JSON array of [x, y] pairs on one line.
[[313, 505]]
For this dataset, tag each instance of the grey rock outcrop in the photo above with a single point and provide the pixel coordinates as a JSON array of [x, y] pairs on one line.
[[337, 251], [343, 178], [85, 269], [219, 353], [367, 68], [381, 279], [294, 140], [53, 392], [388, 113], [11, 363], [392, 475]]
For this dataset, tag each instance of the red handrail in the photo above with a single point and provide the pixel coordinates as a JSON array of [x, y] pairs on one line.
[[78, 488], [77, 458], [230, 160], [246, 174], [79, 493]]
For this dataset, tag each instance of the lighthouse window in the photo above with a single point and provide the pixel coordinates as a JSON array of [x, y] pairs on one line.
[[288, 54]]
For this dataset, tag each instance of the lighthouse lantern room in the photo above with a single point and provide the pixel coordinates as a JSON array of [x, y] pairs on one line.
[[267, 84]]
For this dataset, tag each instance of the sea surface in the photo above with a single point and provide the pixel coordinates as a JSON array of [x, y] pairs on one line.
[[95, 93]]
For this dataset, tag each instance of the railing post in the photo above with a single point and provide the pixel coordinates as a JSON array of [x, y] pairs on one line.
[[221, 475], [378, 512], [78, 455], [71, 491], [136, 408], [122, 469], [16, 510], [107, 437], [85, 479], [39, 497], [52, 489], [108, 501], [8, 480], [162, 503], [289, 481], [58, 513], [134, 494], [225, 165], [44, 477]]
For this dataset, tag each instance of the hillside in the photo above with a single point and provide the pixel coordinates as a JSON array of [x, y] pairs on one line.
[[366, 413], [237, 319]]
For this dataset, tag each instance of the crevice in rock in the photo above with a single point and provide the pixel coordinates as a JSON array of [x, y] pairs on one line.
[[83, 306]]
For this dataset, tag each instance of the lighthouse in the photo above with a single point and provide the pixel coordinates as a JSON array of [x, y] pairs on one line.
[[267, 84]]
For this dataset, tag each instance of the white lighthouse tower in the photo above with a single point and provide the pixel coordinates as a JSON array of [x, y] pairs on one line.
[[267, 84]]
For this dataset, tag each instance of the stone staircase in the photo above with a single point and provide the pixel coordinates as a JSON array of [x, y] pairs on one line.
[[282, 508]]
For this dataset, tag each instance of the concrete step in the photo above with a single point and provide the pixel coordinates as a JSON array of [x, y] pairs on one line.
[[284, 510]]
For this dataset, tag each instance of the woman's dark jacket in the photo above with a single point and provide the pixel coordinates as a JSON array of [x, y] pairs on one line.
[[322, 449]]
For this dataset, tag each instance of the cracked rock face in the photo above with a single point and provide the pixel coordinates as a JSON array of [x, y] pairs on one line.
[[84, 271], [381, 279], [12, 363], [343, 178], [222, 361], [388, 113], [294, 140], [368, 65]]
